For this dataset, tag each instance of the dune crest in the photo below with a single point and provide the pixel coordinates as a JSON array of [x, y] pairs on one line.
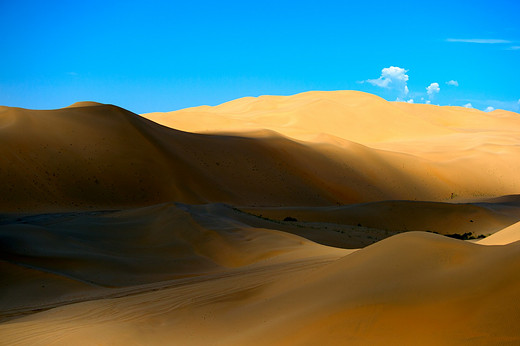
[[85, 104]]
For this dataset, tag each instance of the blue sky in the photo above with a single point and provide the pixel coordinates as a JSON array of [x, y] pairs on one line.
[[166, 55]]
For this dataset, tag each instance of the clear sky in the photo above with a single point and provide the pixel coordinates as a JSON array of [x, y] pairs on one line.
[[166, 55]]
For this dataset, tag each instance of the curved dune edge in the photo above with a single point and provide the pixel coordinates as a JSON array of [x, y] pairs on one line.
[[414, 286], [85, 104], [505, 236]]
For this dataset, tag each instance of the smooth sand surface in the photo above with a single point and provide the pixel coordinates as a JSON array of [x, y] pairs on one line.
[[50, 259], [414, 288], [117, 230], [355, 116]]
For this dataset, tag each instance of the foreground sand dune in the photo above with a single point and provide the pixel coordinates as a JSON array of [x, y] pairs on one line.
[[176, 273], [49, 259], [411, 288]]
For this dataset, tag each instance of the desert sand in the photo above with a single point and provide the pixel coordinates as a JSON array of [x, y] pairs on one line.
[[317, 218]]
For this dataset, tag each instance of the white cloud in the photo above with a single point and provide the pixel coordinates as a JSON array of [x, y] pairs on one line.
[[428, 102], [410, 101], [489, 109], [468, 105], [392, 77], [433, 89], [453, 82], [514, 48], [477, 40]]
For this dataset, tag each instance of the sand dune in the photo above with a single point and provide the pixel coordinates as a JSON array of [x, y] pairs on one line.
[[352, 115], [415, 287], [50, 259], [53, 258], [103, 157], [115, 229], [451, 143], [302, 116], [93, 156]]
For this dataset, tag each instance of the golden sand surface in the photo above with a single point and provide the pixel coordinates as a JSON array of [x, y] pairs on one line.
[[275, 220]]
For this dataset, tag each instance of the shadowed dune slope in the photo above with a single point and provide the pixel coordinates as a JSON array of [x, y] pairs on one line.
[[443, 218], [50, 258], [104, 157], [410, 288], [94, 156]]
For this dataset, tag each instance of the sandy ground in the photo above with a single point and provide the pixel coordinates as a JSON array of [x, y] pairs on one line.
[[412, 288], [117, 230]]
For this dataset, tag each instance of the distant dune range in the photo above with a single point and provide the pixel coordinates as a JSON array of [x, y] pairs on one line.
[[277, 220]]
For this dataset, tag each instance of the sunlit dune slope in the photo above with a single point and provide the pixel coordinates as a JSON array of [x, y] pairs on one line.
[[352, 115], [507, 235], [414, 287]]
